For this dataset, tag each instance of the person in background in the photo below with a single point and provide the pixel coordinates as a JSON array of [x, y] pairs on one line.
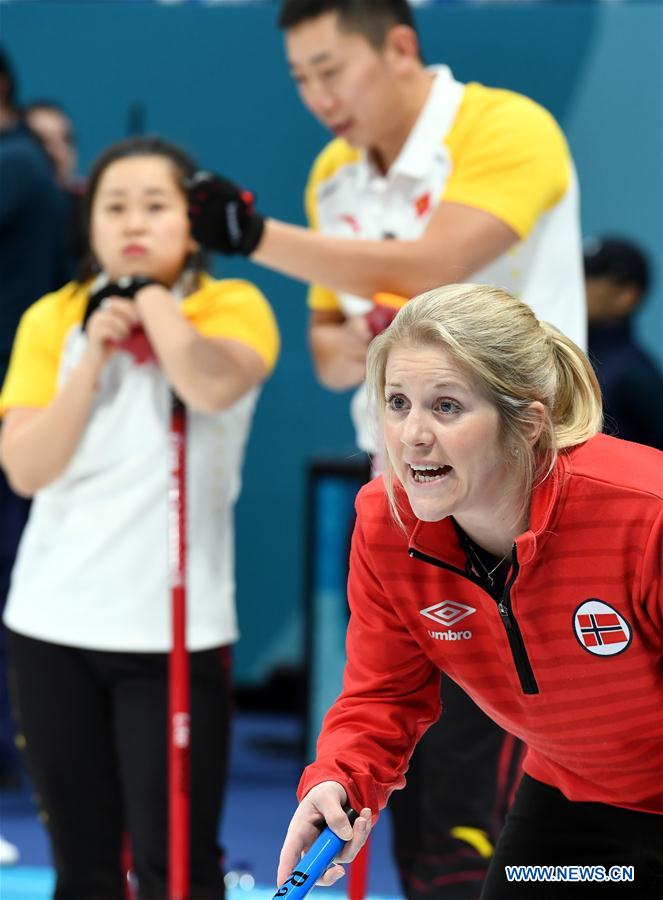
[[426, 181], [617, 278], [34, 259], [504, 511], [86, 405], [54, 128], [32, 213]]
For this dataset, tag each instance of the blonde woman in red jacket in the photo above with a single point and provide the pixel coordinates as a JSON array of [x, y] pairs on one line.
[[514, 547]]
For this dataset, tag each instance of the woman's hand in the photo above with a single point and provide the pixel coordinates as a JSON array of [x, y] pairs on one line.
[[109, 325], [323, 805]]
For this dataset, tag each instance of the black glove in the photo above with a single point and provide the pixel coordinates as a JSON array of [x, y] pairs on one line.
[[126, 287], [222, 215]]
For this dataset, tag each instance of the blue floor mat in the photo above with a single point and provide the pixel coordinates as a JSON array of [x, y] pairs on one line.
[[26, 883], [36, 883]]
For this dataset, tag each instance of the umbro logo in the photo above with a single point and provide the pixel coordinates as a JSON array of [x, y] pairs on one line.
[[448, 612]]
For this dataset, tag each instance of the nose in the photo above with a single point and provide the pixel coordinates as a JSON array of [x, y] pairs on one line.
[[416, 430], [134, 220]]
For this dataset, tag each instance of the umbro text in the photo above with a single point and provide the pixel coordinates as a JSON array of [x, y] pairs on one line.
[[451, 635]]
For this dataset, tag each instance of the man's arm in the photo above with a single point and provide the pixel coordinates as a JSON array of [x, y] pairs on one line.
[[459, 241], [338, 346], [466, 239]]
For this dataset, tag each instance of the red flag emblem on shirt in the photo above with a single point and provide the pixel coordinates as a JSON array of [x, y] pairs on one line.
[[350, 220], [422, 204], [600, 629]]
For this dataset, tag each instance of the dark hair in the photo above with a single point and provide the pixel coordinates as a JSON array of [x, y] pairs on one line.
[[617, 258], [8, 79], [371, 18], [184, 167]]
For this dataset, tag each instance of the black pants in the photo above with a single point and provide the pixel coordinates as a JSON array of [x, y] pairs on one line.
[[544, 828], [95, 727], [13, 516], [461, 778]]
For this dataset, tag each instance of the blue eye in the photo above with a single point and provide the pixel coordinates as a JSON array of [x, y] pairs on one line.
[[447, 406], [396, 402]]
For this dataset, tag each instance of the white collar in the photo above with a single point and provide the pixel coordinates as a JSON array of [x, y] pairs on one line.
[[433, 123], [181, 289]]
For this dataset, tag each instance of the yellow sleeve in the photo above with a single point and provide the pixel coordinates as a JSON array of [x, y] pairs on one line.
[[320, 297], [509, 157], [237, 310], [32, 375]]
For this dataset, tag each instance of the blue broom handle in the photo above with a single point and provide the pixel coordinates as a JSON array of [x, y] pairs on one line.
[[313, 864]]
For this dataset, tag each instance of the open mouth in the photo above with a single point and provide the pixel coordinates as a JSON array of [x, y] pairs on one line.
[[429, 474]]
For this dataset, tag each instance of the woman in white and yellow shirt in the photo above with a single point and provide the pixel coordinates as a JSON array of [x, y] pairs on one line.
[[86, 431]]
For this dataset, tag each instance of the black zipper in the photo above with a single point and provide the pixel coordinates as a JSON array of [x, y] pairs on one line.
[[515, 638]]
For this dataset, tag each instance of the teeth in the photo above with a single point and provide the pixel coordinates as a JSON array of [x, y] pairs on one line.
[[419, 473]]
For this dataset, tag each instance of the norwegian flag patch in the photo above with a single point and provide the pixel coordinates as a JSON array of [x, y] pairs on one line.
[[600, 629]]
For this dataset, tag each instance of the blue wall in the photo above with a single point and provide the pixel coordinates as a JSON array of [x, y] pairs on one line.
[[214, 79]]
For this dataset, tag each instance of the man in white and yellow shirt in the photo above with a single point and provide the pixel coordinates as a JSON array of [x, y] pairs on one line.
[[428, 181], [474, 154]]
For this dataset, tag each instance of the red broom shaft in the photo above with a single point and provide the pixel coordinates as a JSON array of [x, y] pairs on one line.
[[358, 876], [178, 673]]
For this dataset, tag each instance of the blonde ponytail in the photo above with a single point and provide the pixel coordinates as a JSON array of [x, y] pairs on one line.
[[577, 412]]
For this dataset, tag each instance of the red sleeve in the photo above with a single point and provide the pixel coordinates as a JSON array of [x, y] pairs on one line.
[[651, 582], [390, 696]]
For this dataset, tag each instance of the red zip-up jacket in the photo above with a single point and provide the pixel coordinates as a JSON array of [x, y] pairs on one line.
[[570, 660]]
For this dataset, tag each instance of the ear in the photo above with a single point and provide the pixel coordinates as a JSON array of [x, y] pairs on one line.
[[402, 47], [537, 412]]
